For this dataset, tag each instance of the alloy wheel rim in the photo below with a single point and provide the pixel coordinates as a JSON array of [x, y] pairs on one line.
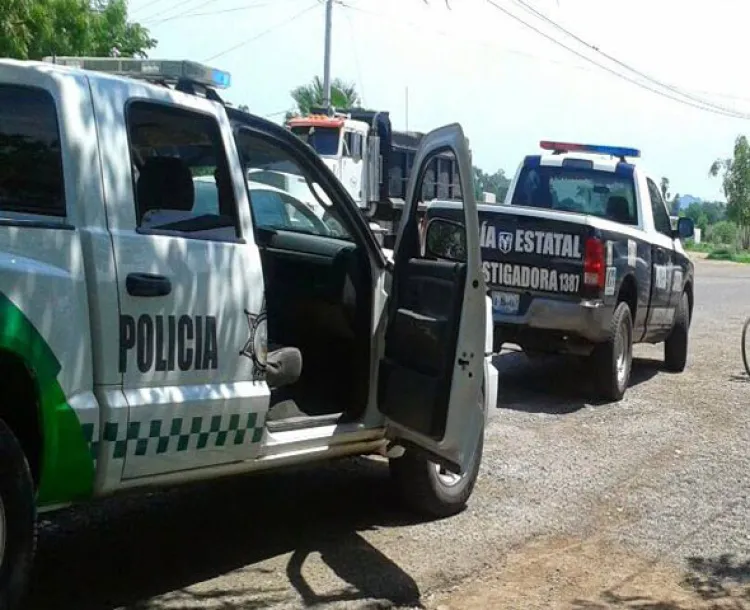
[[622, 355]]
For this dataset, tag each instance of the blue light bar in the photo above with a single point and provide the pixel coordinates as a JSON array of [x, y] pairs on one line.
[[166, 70], [615, 151]]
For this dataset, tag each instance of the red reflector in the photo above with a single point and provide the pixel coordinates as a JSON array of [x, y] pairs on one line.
[[593, 263]]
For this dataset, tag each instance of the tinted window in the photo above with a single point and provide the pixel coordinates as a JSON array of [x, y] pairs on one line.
[[585, 191], [31, 172], [325, 140], [181, 176], [268, 209], [661, 218]]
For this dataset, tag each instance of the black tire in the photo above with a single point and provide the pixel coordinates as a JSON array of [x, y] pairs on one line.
[[745, 361], [676, 344], [18, 516], [610, 379], [422, 489]]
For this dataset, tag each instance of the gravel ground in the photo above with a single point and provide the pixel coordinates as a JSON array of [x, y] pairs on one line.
[[643, 504]]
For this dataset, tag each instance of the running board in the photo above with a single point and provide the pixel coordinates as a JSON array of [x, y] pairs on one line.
[[302, 422]]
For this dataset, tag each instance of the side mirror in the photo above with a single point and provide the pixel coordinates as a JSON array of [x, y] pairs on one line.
[[685, 228], [445, 239]]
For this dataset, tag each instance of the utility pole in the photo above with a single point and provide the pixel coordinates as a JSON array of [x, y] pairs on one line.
[[327, 57]]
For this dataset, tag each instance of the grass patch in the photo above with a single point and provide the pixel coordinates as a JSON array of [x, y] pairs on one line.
[[729, 254], [691, 246]]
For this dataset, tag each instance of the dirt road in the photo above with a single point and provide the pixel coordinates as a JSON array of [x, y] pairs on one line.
[[641, 505]]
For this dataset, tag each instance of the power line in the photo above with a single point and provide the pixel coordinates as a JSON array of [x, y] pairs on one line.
[[352, 37], [263, 33], [620, 63], [179, 3], [701, 106], [235, 9]]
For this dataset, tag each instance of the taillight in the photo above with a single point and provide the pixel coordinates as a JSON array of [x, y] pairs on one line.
[[593, 263]]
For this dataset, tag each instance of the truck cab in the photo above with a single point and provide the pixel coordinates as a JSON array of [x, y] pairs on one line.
[[342, 143]]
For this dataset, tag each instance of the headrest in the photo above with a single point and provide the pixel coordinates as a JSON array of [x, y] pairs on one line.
[[618, 209], [165, 183]]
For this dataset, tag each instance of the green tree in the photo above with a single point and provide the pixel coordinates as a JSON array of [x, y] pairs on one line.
[[664, 185], [674, 205], [735, 180], [723, 233], [496, 183], [695, 212], [33, 29], [343, 95]]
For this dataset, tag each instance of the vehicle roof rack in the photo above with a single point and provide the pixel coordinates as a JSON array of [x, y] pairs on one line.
[[185, 76]]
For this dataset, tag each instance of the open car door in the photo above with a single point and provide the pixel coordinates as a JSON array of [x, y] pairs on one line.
[[431, 373]]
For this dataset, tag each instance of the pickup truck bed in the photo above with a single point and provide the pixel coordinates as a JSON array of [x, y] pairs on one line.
[[557, 274]]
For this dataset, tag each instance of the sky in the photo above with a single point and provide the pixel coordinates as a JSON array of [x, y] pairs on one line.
[[508, 86]]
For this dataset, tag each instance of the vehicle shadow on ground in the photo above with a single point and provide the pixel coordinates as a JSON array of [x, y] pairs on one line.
[[555, 384], [145, 552], [715, 583]]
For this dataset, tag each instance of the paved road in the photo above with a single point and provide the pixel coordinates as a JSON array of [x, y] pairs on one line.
[[644, 504]]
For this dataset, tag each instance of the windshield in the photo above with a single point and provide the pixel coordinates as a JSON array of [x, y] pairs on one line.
[[585, 191], [325, 140]]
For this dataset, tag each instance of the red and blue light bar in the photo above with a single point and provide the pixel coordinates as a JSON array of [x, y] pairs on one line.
[[615, 151]]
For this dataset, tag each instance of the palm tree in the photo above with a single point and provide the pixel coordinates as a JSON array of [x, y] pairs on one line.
[[343, 95]]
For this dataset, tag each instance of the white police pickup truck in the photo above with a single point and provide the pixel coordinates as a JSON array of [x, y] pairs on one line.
[[135, 325], [582, 258]]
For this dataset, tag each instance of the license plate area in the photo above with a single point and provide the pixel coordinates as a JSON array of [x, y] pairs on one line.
[[505, 302]]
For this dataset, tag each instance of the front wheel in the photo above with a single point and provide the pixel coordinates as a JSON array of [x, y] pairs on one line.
[[429, 489], [17, 520], [613, 359]]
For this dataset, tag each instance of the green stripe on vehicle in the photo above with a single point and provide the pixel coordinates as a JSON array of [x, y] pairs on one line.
[[67, 465]]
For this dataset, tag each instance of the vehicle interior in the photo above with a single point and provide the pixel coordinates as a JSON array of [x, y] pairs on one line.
[[318, 284], [318, 300]]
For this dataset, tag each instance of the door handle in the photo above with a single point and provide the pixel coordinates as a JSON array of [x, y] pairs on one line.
[[147, 285]]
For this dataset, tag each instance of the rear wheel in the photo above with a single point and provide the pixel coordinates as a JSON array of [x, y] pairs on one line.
[[613, 359], [428, 488], [676, 345], [17, 520]]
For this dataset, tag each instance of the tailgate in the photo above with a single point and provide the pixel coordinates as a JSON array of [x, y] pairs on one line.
[[524, 256]]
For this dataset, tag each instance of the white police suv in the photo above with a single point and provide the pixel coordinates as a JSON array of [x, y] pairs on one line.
[[147, 340]]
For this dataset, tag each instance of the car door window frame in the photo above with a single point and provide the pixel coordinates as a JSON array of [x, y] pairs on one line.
[[658, 204], [222, 158], [309, 162], [59, 213]]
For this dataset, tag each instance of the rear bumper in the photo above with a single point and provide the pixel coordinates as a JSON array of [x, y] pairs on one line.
[[554, 325]]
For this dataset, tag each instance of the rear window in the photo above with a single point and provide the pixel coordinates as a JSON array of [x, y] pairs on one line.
[[31, 171], [580, 190]]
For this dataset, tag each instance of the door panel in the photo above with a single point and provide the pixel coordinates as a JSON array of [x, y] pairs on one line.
[[416, 372], [190, 287], [431, 373], [661, 311]]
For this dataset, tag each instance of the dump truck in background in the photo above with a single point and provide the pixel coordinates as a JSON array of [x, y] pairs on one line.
[[374, 162]]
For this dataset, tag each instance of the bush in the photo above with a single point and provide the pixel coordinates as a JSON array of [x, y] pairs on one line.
[[722, 254], [724, 232]]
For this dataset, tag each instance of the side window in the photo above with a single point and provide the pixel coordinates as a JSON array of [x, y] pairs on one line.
[[303, 205], [268, 209], [31, 170], [661, 218], [181, 178]]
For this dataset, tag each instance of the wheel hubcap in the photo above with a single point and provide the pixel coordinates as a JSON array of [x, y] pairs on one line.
[[447, 477], [2, 531], [622, 355]]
